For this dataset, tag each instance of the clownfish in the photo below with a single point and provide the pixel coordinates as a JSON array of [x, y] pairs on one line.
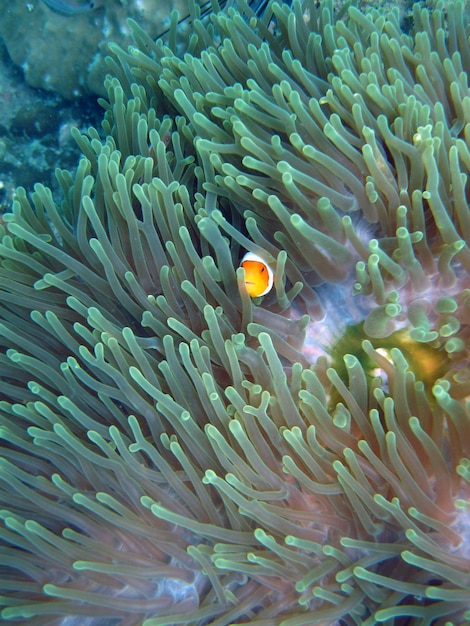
[[259, 277]]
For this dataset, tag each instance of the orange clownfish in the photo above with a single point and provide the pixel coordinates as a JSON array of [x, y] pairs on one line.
[[259, 277]]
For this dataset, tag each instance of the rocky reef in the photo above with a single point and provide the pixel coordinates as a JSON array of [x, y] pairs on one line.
[[63, 50]]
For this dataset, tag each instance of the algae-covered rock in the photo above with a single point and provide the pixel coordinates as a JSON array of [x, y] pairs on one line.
[[64, 50]]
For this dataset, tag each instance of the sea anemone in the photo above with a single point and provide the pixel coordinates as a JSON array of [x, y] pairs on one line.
[[174, 452]]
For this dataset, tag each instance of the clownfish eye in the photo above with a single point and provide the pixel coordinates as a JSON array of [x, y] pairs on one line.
[[259, 277]]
